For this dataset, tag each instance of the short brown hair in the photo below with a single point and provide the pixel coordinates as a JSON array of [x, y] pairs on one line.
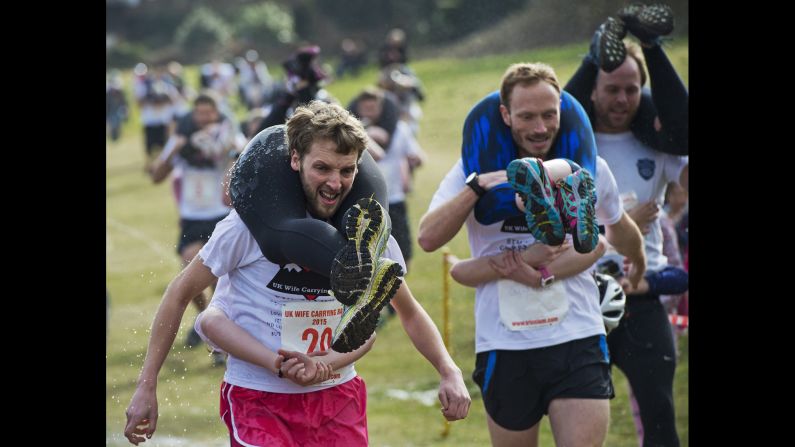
[[526, 73], [319, 119]]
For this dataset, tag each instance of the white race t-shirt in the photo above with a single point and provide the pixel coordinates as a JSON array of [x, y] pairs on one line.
[[584, 317], [199, 191], [642, 175], [274, 303]]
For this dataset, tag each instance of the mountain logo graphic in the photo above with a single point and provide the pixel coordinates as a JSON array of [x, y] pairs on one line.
[[296, 280]]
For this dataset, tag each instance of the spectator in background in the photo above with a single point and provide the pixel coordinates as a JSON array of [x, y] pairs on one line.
[[394, 50], [115, 104], [255, 83], [303, 84], [352, 58], [156, 110], [676, 207], [220, 77], [407, 88], [182, 94], [201, 151]]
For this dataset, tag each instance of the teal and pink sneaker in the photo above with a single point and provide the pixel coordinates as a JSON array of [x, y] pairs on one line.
[[530, 179], [576, 199]]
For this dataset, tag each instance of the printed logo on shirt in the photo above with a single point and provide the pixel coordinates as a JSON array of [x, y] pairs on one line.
[[646, 168], [516, 224], [297, 280]]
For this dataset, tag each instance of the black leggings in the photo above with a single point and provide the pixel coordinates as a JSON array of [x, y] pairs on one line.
[[267, 194], [642, 346], [667, 99]]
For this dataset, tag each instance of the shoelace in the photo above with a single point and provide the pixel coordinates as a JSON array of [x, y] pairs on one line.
[[566, 213]]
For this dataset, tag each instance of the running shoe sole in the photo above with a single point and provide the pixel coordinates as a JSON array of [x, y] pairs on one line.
[[612, 51], [579, 198], [648, 22], [360, 320], [367, 228]]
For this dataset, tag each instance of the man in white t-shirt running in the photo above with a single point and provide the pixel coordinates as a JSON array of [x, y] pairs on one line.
[[539, 333], [283, 384], [199, 155], [642, 346]]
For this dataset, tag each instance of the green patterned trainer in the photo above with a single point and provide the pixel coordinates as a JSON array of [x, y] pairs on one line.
[[359, 320]]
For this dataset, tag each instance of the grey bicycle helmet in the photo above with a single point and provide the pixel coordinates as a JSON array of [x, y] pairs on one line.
[[611, 300]]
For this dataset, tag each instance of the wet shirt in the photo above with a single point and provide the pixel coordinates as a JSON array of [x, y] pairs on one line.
[[268, 300]]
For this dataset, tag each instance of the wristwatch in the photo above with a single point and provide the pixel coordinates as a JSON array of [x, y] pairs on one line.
[[472, 182], [546, 277]]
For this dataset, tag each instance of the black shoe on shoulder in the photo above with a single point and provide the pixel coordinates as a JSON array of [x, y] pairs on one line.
[[648, 22], [607, 49]]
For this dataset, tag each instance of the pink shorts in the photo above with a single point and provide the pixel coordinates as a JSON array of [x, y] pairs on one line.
[[331, 417]]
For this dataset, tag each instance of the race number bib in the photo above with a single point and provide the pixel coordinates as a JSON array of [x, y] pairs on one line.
[[309, 327], [523, 308], [202, 189]]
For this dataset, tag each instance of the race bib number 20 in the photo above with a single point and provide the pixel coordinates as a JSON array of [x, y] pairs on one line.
[[309, 327]]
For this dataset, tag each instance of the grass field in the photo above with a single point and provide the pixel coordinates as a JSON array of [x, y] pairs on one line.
[[142, 228]]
